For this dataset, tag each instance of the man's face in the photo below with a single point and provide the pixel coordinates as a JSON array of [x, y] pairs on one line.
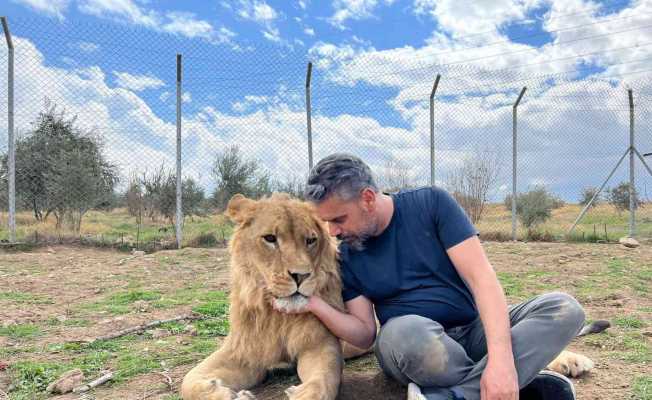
[[351, 221]]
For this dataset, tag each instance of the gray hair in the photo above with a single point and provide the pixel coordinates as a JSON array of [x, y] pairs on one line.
[[343, 174]]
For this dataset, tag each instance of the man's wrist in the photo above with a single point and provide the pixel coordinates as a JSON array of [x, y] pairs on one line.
[[313, 302]]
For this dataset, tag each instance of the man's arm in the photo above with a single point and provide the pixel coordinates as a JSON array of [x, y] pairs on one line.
[[472, 264], [358, 327]]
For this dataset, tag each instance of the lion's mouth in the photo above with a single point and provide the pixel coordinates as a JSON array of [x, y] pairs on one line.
[[293, 302]]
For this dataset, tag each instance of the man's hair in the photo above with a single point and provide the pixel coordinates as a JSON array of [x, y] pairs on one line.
[[342, 174]]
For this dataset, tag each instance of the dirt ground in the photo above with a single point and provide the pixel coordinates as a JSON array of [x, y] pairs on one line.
[[52, 298]]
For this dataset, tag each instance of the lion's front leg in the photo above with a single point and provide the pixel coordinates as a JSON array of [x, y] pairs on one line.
[[320, 371], [218, 377]]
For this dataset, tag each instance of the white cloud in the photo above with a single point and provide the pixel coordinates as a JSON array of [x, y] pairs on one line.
[[175, 22], [53, 8], [88, 47], [165, 96], [120, 9], [309, 31], [264, 15], [137, 82], [303, 4], [186, 98], [353, 9]]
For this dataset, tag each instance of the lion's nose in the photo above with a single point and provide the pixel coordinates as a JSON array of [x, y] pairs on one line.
[[298, 278]]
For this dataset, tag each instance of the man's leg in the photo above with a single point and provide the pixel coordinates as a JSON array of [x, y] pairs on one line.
[[415, 349], [541, 328]]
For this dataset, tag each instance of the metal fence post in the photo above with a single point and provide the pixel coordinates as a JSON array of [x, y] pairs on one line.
[[309, 116], [432, 130], [632, 189], [514, 112], [179, 220], [11, 146]]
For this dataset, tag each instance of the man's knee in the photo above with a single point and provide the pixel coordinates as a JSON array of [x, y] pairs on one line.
[[415, 346], [565, 311]]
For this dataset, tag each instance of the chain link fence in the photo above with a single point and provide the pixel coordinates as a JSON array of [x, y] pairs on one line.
[[95, 114]]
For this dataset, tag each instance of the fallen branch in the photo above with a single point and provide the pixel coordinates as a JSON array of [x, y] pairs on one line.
[[144, 327], [97, 382]]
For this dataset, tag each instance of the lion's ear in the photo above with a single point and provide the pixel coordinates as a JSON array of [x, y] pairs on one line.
[[239, 208]]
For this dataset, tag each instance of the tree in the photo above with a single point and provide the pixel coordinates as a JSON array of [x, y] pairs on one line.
[[61, 170], [587, 194], [395, 176], [234, 174], [472, 182], [619, 197], [534, 207]]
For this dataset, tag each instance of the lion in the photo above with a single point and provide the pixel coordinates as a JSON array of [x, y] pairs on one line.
[[281, 253]]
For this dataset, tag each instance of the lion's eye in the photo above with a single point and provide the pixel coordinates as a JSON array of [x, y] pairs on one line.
[[270, 238], [310, 241]]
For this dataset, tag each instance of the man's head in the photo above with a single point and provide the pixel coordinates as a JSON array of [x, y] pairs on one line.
[[344, 192]]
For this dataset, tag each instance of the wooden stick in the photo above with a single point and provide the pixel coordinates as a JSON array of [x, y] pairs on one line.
[[148, 325], [97, 382]]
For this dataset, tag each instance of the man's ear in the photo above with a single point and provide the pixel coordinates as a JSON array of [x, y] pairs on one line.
[[239, 208], [368, 199]]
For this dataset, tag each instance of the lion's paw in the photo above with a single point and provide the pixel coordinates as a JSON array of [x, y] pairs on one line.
[[306, 391], [213, 389], [571, 364], [244, 395]]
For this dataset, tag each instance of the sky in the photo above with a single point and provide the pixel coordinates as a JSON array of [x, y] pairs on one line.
[[112, 63]]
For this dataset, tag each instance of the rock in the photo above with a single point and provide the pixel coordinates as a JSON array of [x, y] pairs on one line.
[[158, 333], [190, 329], [67, 382], [141, 306], [61, 318], [628, 242], [137, 253]]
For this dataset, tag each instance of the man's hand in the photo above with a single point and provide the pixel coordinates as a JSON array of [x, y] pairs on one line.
[[499, 381]]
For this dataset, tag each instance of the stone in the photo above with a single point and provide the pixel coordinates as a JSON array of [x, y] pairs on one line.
[[67, 382], [628, 242]]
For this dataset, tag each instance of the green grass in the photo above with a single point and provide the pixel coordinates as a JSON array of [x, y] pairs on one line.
[[217, 310], [526, 284], [630, 346], [21, 331], [642, 387], [628, 322], [118, 228], [24, 298], [121, 302]]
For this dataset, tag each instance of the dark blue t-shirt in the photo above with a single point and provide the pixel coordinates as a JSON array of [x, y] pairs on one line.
[[406, 270]]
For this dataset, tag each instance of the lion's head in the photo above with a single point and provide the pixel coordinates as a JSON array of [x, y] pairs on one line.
[[281, 249]]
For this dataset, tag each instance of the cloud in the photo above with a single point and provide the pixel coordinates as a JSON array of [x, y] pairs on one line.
[[263, 14], [185, 24], [137, 82], [354, 10], [309, 31], [53, 8], [88, 47]]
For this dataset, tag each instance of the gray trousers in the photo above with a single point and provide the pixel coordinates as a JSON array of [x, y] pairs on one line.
[[415, 349]]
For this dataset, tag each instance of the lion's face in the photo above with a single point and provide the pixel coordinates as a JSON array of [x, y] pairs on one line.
[[283, 241]]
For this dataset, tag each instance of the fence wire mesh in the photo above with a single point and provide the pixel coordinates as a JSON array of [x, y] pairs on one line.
[[95, 125]]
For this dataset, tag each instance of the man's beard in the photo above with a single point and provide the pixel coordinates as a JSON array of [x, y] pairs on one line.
[[356, 241]]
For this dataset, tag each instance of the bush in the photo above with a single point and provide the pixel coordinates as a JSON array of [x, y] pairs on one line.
[[534, 207], [587, 194], [619, 197]]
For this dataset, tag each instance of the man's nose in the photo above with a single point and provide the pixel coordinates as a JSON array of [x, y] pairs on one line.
[[334, 230]]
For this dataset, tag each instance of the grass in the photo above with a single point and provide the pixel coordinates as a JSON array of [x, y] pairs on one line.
[[497, 220], [630, 346], [24, 298], [20, 331], [526, 284], [118, 228], [642, 387], [121, 302]]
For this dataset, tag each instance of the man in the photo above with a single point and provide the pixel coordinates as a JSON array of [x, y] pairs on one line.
[[415, 259]]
